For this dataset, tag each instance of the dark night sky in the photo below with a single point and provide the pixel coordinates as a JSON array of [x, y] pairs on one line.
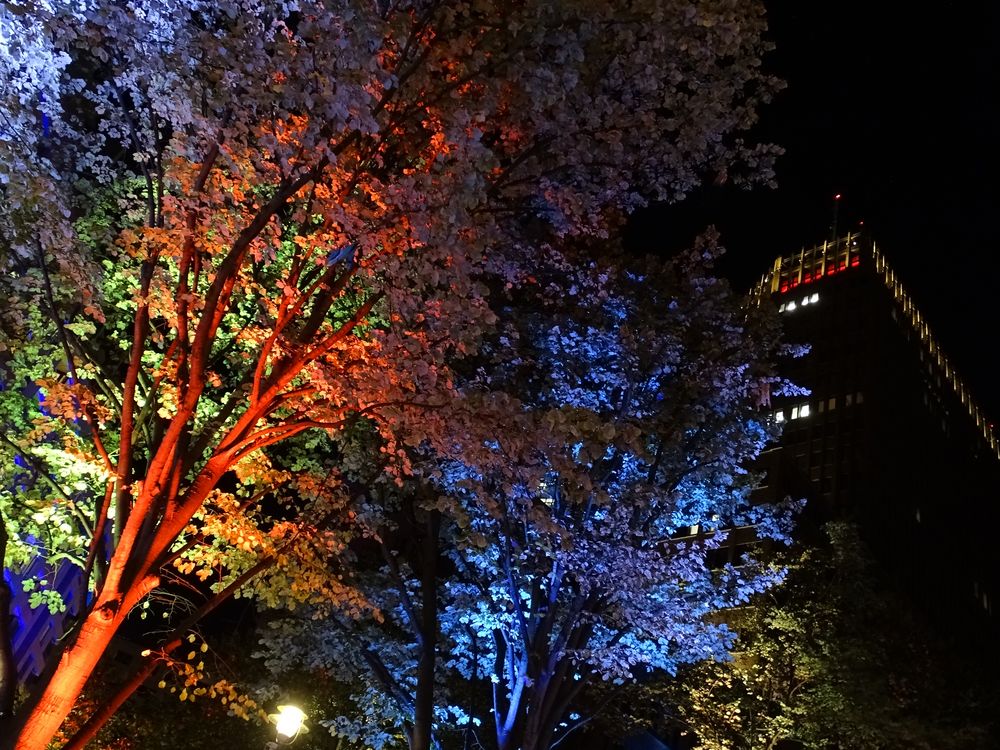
[[895, 107]]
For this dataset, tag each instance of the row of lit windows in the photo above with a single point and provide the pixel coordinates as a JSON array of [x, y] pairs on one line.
[[923, 333], [698, 528], [809, 299], [800, 411]]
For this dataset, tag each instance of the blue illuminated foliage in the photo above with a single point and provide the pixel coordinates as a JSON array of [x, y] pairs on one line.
[[571, 567]]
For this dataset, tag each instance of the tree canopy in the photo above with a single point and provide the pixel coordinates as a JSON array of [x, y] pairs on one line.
[[233, 229], [563, 565], [835, 657]]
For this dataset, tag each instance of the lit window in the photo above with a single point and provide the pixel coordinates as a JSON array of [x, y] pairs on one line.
[[815, 297], [849, 399], [832, 403], [860, 398], [918, 515], [545, 493], [782, 308], [805, 300], [790, 306], [800, 411], [779, 416]]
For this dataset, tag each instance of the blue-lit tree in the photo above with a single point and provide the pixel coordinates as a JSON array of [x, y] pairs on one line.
[[555, 545]]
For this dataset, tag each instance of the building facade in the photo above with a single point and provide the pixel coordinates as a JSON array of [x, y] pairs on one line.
[[890, 436]]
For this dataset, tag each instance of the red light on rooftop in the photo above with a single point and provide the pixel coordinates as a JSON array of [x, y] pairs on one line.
[[856, 261]]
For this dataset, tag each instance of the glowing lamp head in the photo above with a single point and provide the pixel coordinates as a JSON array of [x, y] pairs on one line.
[[289, 722], [837, 197]]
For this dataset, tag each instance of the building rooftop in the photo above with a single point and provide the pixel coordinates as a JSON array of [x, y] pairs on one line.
[[790, 275]]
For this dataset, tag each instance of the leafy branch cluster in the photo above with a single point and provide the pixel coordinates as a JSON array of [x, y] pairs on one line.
[[299, 314]]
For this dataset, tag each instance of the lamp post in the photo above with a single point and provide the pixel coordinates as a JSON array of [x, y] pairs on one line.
[[289, 723]]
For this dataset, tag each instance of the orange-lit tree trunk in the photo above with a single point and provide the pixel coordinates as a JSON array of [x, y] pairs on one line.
[[171, 643], [140, 562], [75, 668], [163, 508]]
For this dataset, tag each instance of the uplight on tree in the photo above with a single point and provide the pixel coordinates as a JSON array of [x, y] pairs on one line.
[[289, 723]]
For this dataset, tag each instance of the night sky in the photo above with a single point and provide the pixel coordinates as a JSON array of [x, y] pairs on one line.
[[894, 106]]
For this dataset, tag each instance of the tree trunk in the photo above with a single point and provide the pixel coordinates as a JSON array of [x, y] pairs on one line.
[[527, 734], [75, 667], [94, 724], [172, 642], [423, 714], [510, 727]]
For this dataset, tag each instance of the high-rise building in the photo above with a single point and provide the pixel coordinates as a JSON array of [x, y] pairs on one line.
[[889, 436]]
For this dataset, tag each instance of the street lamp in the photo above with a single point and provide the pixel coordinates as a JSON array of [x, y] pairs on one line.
[[289, 723]]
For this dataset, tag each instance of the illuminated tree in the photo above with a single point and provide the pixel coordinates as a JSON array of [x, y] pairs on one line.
[[560, 565], [227, 224]]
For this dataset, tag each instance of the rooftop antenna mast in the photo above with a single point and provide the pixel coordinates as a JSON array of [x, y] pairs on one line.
[[836, 215]]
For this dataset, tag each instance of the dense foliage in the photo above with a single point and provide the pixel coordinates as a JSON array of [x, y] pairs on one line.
[[235, 233], [835, 657], [563, 561]]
